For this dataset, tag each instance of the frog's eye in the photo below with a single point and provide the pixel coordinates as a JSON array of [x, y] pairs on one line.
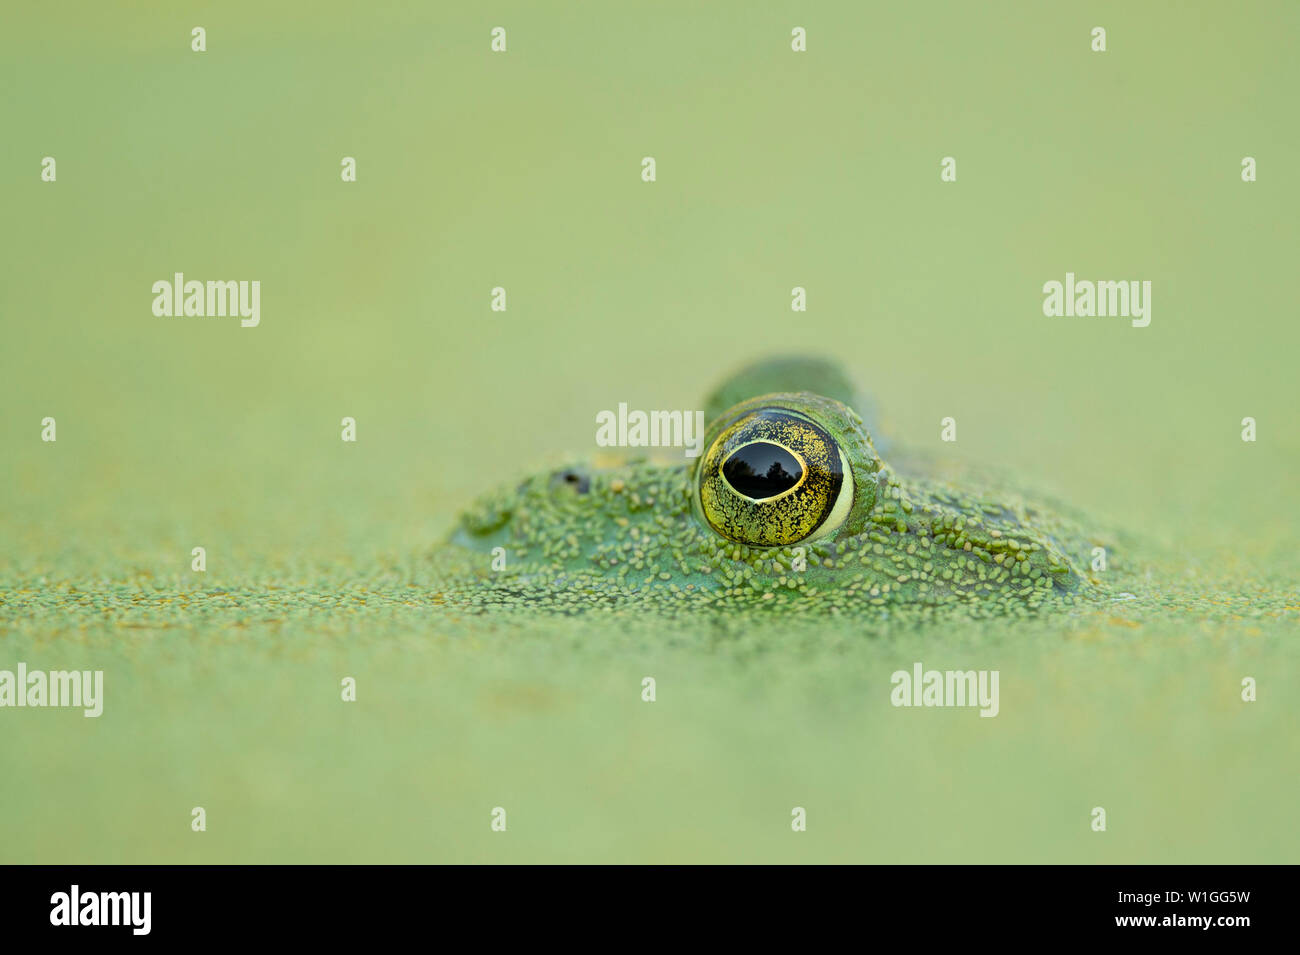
[[774, 477]]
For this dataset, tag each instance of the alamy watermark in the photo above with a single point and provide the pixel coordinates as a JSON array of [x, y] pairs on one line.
[[922, 687], [651, 429], [195, 299], [72, 688], [1085, 299], [75, 907]]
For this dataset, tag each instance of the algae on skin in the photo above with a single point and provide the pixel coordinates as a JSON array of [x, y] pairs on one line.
[[632, 537]]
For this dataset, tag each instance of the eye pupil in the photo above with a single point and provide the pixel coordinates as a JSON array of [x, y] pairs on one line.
[[761, 470]]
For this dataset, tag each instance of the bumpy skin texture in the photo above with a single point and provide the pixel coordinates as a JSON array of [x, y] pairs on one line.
[[632, 537]]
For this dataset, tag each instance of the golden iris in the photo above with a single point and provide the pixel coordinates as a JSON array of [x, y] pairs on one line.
[[774, 477]]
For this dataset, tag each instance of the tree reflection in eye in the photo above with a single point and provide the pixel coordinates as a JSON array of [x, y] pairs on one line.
[[761, 470]]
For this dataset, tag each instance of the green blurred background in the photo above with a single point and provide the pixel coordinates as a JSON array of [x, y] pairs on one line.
[[522, 170]]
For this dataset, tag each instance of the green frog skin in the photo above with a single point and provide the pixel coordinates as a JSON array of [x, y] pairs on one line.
[[790, 508]]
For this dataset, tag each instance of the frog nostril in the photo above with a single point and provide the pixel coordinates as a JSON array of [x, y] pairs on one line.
[[574, 479]]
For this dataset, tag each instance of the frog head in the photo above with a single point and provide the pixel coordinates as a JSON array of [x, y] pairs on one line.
[[789, 504]]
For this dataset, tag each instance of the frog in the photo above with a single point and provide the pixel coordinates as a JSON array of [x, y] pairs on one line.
[[789, 505]]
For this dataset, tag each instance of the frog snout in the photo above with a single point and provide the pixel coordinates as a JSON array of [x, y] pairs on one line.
[[574, 479]]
